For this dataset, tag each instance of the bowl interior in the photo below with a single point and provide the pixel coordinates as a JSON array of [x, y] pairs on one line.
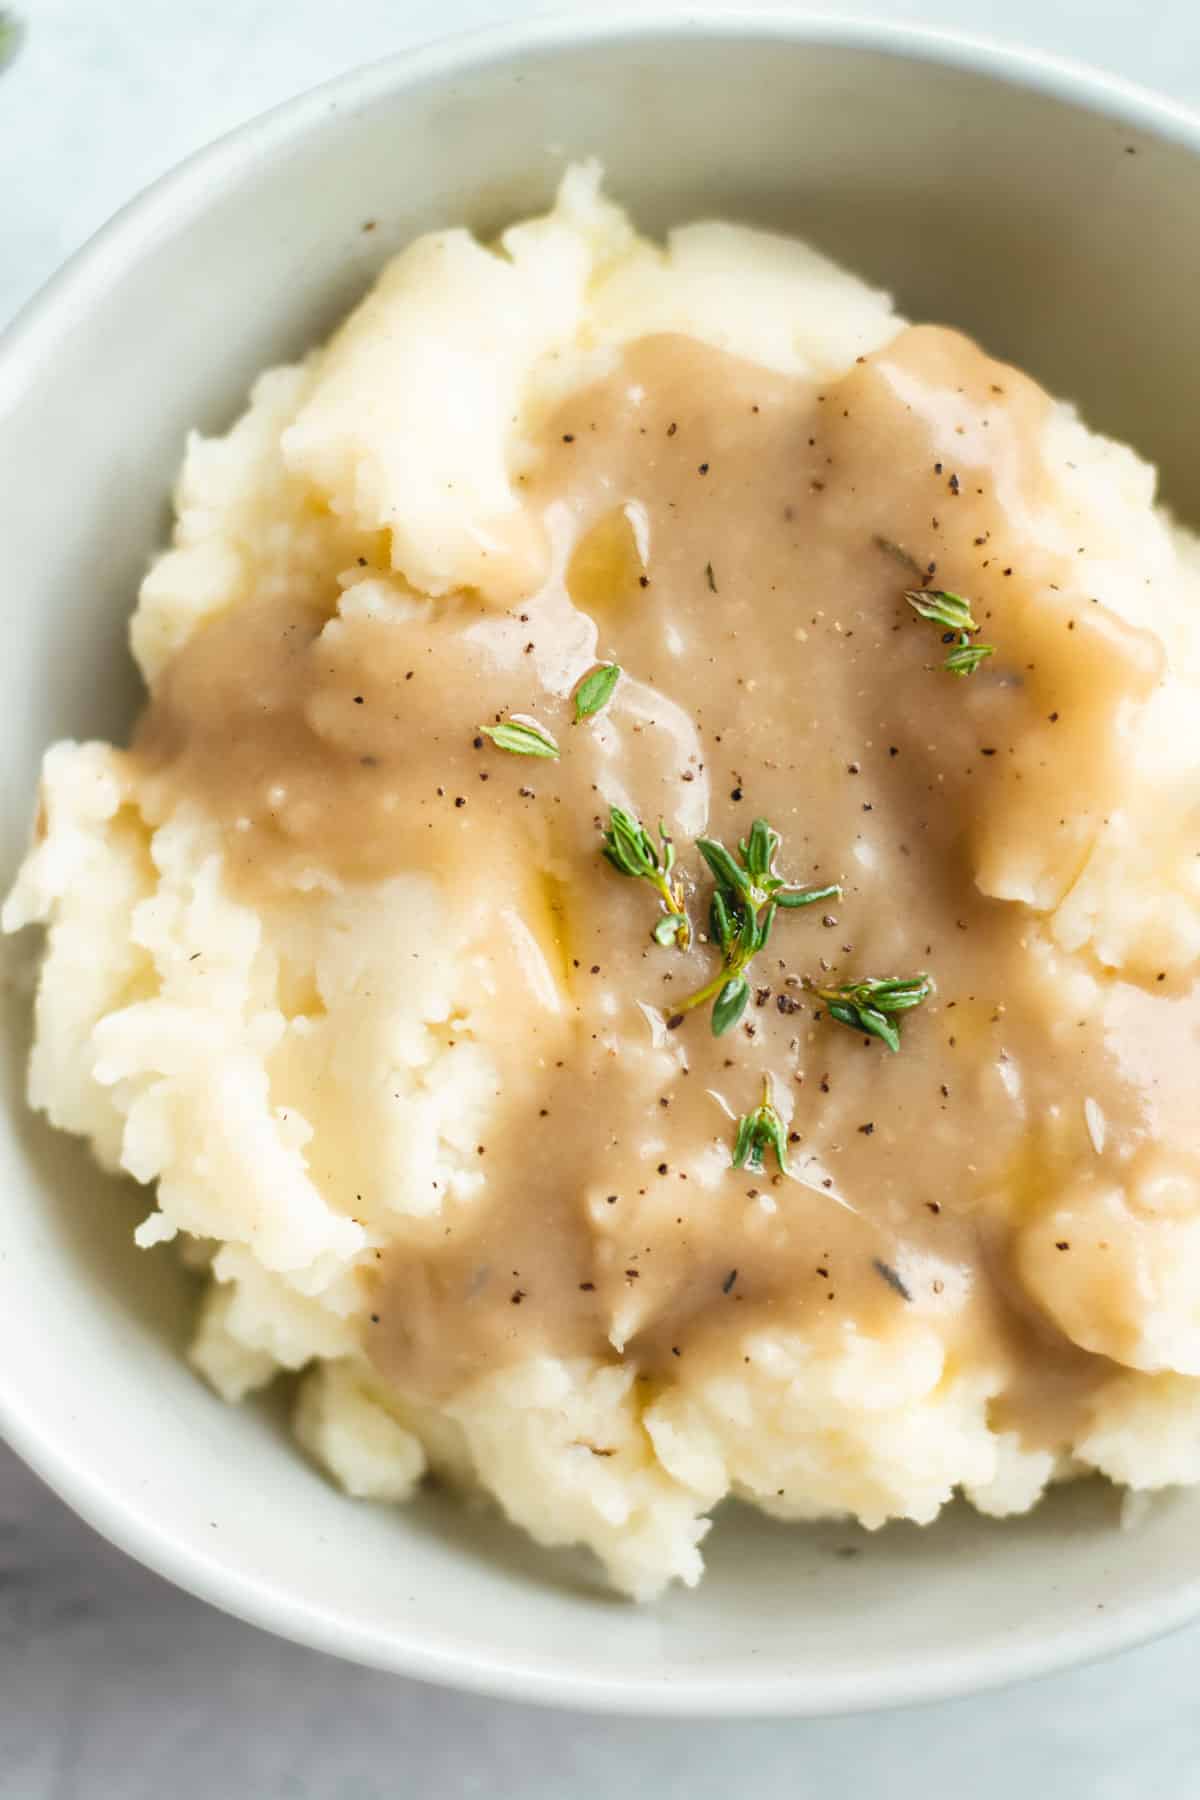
[[1054, 220]]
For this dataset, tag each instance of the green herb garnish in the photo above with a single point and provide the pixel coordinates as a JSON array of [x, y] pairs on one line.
[[900, 553], [710, 578], [524, 737], [745, 900], [631, 851], [596, 690], [965, 658], [758, 1132], [950, 610], [870, 1005], [954, 613], [11, 32]]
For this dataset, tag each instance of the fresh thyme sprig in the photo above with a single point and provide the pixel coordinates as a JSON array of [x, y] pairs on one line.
[[954, 613], [523, 737], [758, 1132], [745, 900], [631, 851], [870, 1005]]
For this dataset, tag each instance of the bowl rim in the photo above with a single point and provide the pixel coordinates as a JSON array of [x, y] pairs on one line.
[[26, 345]]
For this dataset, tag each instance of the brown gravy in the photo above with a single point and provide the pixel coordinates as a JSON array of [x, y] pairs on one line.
[[740, 543]]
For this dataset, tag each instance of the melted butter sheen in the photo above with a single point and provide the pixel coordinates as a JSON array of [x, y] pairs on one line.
[[740, 543]]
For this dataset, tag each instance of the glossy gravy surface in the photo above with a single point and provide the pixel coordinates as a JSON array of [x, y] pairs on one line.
[[740, 542]]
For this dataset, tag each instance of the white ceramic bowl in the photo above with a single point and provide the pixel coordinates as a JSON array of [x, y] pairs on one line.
[[1048, 210]]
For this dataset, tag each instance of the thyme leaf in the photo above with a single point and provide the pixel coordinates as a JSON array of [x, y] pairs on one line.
[[900, 554], [870, 1005], [730, 1004], [966, 658], [757, 1133], [523, 737], [941, 608], [631, 850], [596, 690]]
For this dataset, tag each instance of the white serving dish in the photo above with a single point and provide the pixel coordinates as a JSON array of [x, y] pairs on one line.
[[1049, 210]]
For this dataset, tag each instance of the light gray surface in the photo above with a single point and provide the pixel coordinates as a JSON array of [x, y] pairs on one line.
[[114, 1686], [111, 1683]]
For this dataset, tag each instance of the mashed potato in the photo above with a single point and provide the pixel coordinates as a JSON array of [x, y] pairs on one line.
[[311, 1099]]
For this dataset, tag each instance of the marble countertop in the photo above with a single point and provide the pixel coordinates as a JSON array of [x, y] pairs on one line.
[[115, 1686]]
